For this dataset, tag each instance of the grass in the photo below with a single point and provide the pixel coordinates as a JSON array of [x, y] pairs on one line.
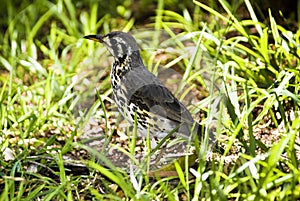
[[50, 91]]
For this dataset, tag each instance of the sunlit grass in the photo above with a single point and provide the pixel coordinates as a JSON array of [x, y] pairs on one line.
[[50, 90]]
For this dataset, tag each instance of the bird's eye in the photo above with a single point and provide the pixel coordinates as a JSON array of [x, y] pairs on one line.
[[113, 41]]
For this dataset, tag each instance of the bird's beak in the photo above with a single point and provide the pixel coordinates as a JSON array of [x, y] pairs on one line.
[[97, 38]]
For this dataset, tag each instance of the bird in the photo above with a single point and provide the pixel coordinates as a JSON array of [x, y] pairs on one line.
[[139, 92]]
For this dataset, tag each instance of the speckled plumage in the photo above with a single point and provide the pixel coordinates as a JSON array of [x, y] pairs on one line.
[[137, 90]]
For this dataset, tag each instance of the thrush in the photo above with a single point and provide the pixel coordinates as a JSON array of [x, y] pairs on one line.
[[138, 92]]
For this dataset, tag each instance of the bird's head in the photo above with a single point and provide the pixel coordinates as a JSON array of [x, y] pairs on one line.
[[118, 43]]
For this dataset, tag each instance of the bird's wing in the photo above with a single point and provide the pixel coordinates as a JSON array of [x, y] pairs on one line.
[[159, 100], [149, 93]]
